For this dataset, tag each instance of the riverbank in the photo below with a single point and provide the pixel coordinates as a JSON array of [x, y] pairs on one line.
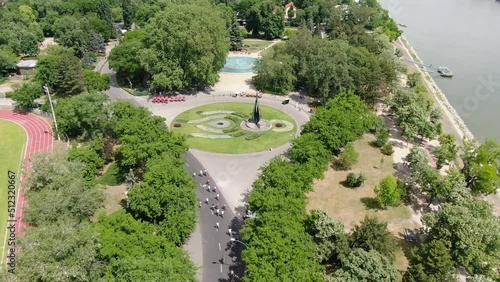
[[450, 119]]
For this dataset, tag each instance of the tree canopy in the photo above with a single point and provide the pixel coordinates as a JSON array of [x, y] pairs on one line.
[[343, 119], [186, 46]]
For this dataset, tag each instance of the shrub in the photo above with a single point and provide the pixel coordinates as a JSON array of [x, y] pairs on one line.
[[229, 130], [347, 158], [382, 138], [387, 149], [388, 192], [253, 136], [237, 134], [354, 180]]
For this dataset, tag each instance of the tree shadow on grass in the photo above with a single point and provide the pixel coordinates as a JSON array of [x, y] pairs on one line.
[[370, 203]]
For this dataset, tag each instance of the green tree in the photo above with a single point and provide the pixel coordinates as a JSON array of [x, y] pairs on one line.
[[373, 234], [447, 151], [129, 9], [433, 257], [58, 252], [343, 119], [471, 231], [382, 138], [422, 174], [25, 94], [145, 13], [137, 252], [347, 158], [275, 72], [388, 192], [308, 149], [61, 71], [59, 191], [235, 38], [190, 42], [7, 60], [124, 60], [332, 244], [69, 33], [362, 265], [92, 155], [141, 136], [96, 81], [481, 166], [417, 114], [82, 116], [168, 199]]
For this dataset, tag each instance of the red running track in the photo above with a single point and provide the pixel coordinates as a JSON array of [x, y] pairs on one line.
[[39, 139]]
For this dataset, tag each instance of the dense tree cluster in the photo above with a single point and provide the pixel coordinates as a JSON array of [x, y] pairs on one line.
[[282, 241], [180, 46], [139, 243], [327, 67]]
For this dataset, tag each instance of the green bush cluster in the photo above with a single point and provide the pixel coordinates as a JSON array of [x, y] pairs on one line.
[[253, 136], [355, 180], [233, 118], [237, 134], [387, 149], [229, 130]]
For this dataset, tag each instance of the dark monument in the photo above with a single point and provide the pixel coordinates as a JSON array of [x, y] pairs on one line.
[[256, 112]]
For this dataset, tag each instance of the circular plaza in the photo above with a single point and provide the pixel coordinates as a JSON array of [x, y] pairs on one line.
[[227, 127]]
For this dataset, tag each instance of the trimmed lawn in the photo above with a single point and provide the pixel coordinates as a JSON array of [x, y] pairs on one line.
[[239, 143], [350, 205], [12, 146], [254, 46]]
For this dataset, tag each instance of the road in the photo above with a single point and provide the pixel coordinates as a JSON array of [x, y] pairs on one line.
[[216, 244]]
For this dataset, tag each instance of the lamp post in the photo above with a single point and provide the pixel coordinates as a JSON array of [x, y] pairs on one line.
[[46, 90], [234, 240]]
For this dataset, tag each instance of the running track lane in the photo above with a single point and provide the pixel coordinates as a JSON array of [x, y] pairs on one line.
[[39, 139]]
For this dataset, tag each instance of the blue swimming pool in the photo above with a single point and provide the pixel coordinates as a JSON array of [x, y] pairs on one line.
[[239, 64]]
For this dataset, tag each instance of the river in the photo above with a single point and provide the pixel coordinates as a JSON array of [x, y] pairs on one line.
[[463, 35]]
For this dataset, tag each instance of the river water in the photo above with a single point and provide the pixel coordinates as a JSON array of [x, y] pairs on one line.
[[463, 35]]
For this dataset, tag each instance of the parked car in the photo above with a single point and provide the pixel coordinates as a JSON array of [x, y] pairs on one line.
[[286, 101]]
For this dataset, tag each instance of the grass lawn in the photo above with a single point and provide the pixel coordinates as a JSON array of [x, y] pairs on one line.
[[254, 46], [237, 144], [111, 176], [351, 205], [12, 145]]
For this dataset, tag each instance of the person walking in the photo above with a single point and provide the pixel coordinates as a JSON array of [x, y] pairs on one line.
[[205, 172], [199, 204], [206, 200], [217, 196], [218, 211], [217, 205], [194, 174], [215, 188], [217, 226], [223, 207], [201, 173], [208, 188], [208, 181], [229, 231], [221, 213], [212, 207]]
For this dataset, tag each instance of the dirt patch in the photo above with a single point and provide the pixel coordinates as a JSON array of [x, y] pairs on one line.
[[115, 197], [351, 205]]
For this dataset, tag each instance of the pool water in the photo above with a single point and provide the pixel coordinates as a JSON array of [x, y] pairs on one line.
[[238, 64]]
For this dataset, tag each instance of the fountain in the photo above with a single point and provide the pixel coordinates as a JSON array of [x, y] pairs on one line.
[[239, 64]]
